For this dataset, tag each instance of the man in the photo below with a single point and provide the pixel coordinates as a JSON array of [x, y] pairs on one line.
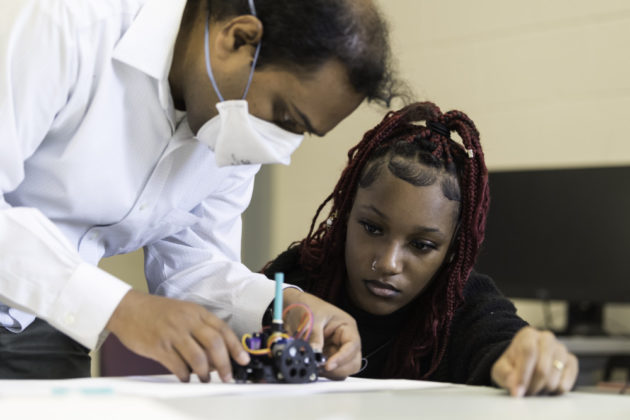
[[110, 140]]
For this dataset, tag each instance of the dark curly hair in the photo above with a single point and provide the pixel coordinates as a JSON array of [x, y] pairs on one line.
[[304, 34]]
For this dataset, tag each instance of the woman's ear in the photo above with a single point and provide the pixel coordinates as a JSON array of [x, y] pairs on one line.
[[238, 35]]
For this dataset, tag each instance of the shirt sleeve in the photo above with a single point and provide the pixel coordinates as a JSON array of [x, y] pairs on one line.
[[202, 262], [40, 272], [481, 331]]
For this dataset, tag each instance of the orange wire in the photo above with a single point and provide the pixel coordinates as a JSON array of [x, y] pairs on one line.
[[307, 318]]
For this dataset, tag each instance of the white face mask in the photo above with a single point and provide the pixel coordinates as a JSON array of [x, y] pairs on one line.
[[239, 138]]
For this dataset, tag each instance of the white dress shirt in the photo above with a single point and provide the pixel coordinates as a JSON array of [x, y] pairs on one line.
[[95, 161]]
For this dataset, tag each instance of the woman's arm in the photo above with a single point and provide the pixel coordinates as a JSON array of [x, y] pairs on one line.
[[490, 343], [481, 330]]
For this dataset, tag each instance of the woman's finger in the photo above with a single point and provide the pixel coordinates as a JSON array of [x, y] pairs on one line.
[[569, 375], [544, 359], [558, 368], [524, 355], [504, 375]]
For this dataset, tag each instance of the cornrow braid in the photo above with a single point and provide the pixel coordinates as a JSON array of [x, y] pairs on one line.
[[397, 138]]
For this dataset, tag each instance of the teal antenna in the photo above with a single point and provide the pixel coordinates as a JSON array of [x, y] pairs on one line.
[[277, 303]]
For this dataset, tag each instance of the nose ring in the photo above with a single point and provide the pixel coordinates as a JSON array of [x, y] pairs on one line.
[[374, 265]]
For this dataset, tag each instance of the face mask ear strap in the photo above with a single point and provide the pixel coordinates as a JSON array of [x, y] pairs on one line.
[[209, 65], [251, 72], [252, 9]]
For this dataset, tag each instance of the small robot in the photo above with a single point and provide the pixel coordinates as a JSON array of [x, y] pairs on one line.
[[277, 357]]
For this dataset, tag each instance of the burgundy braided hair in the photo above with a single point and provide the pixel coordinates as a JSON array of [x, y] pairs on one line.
[[322, 251]]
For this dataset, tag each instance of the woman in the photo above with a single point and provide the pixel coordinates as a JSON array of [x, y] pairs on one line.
[[397, 252]]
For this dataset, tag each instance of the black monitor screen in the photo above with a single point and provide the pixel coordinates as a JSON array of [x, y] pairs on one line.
[[560, 234]]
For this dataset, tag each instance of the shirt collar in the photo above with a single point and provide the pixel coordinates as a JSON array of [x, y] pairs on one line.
[[149, 42]]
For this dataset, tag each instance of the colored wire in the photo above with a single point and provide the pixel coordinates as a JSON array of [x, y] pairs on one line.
[[303, 323], [306, 323], [267, 350], [303, 332], [252, 351], [276, 337]]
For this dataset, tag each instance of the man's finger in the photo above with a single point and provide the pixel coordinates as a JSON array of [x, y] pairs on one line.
[[216, 351], [194, 356], [174, 362], [234, 345]]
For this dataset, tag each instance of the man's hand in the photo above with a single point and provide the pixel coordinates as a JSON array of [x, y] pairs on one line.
[[334, 333], [182, 336], [535, 363]]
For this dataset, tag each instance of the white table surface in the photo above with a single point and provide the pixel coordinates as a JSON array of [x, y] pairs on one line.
[[147, 399], [455, 402]]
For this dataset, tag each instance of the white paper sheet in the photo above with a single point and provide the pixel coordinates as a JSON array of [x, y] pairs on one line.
[[167, 386], [82, 407]]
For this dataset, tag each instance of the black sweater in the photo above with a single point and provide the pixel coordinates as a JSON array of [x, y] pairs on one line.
[[481, 329]]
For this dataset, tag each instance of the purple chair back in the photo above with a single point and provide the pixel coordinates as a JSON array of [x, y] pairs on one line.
[[118, 360]]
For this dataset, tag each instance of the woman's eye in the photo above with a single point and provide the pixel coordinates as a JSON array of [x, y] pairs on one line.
[[370, 228], [423, 245]]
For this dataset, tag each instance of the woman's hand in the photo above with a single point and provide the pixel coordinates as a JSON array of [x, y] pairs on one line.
[[535, 362], [334, 333]]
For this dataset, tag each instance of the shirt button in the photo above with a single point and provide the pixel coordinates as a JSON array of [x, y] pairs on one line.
[[94, 235], [143, 207], [69, 319]]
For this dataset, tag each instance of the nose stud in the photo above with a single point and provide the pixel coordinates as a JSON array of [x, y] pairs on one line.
[[374, 265]]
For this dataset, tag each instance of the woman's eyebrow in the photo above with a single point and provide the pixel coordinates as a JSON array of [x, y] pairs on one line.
[[373, 209], [416, 229], [428, 229]]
